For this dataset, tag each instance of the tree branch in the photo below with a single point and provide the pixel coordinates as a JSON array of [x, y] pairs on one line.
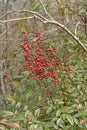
[[47, 21], [16, 19]]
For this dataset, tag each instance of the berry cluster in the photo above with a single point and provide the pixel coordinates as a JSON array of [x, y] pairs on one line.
[[41, 60]]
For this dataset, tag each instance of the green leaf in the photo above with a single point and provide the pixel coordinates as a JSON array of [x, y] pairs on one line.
[[4, 114], [18, 118], [36, 7], [19, 78], [2, 127], [70, 119], [11, 124], [76, 121], [18, 105], [59, 121], [58, 113], [49, 110], [37, 112], [55, 127]]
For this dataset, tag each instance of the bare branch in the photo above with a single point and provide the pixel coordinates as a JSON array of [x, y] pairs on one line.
[[69, 32], [45, 10], [40, 19], [35, 13], [47, 21], [16, 19]]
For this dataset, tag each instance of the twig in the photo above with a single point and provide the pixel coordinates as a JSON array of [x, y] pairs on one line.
[[16, 19], [40, 19], [9, 12], [45, 10], [77, 28]]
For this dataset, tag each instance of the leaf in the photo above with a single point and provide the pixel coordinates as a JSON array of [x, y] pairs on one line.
[[86, 125], [18, 118], [76, 121], [59, 121], [5, 114], [7, 123], [18, 105], [36, 7], [70, 119], [49, 110], [27, 114], [2, 127], [37, 112], [58, 113], [9, 98], [66, 14], [19, 78], [64, 116], [55, 127], [60, 102]]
